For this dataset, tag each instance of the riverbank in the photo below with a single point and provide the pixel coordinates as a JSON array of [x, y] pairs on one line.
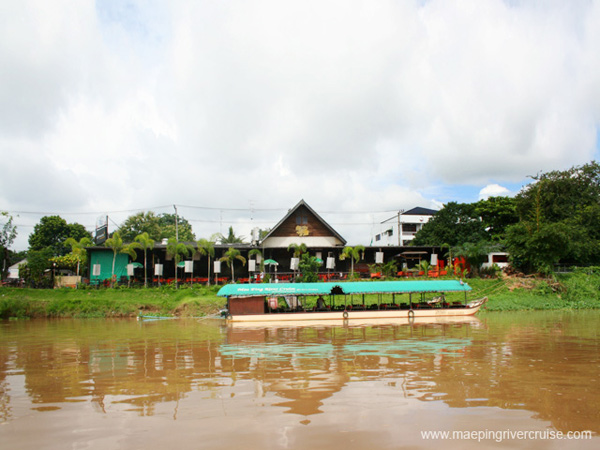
[[578, 290], [198, 301]]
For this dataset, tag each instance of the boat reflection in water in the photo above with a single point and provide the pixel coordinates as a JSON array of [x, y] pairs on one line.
[[308, 363]]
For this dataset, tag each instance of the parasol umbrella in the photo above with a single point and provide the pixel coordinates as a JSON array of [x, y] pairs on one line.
[[181, 264], [271, 262], [137, 265]]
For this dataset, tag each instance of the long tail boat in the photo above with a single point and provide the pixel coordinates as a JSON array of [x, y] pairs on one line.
[[276, 302]]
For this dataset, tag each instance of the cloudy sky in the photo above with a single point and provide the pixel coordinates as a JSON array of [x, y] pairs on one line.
[[236, 110]]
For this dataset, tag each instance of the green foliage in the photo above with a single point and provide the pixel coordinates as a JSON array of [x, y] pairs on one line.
[[559, 216], [454, 224], [193, 301], [497, 213], [78, 252], [140, 223], [231, 255], [309, 268], [168, 231], [297, 249], [355, 254], [52, 232], [68, 261], [146, 243], [177, 250], [390, 269], [206, 248], [158, 227], [8, 233], [231, 238], [38, 261], [116, 244]]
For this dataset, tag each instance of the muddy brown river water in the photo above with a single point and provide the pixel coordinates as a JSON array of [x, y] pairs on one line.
[[518, 380]]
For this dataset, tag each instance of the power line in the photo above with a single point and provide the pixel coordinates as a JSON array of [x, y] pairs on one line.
[[209, 208]]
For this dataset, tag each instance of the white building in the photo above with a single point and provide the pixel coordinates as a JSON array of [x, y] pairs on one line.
[[401, 229]]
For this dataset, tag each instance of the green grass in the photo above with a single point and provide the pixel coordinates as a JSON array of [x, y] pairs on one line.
[[578, 290], [189, 302]]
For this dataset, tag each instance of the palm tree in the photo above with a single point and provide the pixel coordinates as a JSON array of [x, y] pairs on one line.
[[298, 249], [118, 246], [230, 256], [425, 266], [78, 248], [231, 238], [206, 247], [146, 243], [355, 254], [175, 250]]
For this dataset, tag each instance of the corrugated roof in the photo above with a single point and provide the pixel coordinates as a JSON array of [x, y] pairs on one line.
[[420, 211], [346, 288]]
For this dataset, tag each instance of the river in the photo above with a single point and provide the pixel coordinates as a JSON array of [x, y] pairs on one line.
[[506, 380]]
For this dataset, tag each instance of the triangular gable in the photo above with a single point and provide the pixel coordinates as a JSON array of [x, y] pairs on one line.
[[303, 224]]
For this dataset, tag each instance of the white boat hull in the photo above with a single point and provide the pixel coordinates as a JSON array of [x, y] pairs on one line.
[[352, 315]]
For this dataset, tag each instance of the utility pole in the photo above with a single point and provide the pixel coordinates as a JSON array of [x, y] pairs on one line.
[[176, 224]]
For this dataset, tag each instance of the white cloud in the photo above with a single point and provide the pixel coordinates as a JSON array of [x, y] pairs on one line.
[[493, 190], [351, 105]]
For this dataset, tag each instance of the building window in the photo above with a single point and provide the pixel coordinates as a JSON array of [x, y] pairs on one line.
[[390, 232], [409, 228], [378, 237], [301, 220]]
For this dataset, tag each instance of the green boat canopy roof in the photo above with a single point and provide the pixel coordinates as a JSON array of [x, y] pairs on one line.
[[344, 288]]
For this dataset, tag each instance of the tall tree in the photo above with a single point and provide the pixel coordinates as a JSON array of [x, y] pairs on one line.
[[231, 238], [161, 226], [176, 250], [497, 214], [168, 229], [206, 248], [146, 243], [116, 244], [231, 255], [454, 224], [355, 254], [8, 233], [140, 223], [559, 214], [52, 232]]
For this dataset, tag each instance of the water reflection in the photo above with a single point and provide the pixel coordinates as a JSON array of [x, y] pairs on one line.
[[544, 363]]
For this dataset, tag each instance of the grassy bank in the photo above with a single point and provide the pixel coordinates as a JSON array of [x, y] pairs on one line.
[[192, 302], [578, 290]]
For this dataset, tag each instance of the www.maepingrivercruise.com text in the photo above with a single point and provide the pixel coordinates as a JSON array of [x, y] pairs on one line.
[[504, 435]]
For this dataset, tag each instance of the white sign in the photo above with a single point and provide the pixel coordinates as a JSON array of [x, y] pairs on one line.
[[379, 258], [217, 267], [96, 270], [189, 266], [158, 270], [330, 262], [251, 266]]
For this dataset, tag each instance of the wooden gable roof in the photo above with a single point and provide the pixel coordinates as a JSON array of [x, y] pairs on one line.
[[303, 221]]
